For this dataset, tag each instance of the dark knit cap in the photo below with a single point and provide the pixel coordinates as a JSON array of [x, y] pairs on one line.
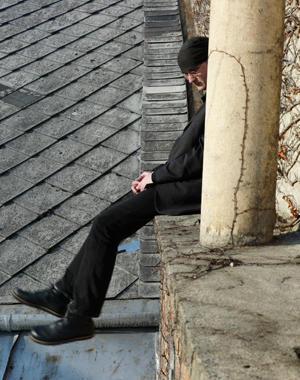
[[192, 53]]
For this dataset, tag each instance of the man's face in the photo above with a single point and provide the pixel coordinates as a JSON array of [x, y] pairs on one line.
[[198, 76]]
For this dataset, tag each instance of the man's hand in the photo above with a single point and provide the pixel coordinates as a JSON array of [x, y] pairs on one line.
[[140, 183]]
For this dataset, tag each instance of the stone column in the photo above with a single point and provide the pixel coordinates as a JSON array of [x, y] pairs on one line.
[[242, 122]]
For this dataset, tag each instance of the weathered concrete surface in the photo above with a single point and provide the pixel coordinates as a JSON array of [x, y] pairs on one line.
[[236, 311]]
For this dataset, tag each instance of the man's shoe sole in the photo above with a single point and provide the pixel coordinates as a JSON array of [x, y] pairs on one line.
[[60, 342], [37, 306]]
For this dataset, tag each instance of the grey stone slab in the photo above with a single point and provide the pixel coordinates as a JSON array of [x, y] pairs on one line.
[[106, 34], [11, 186], [79, 29], [136, 52], [151, 260], [129, 82], [21, 98], [47, 84], [132, 3], [71, 71], [162, 75], [99, 20], [93, 133], [132, 292], [149, 289], [164, 82], [127, 141], [101, 159], [7, 134], [125, 23], [41, 67], [32, 35], [10, 158], [73, 178], [14, 217], [117, 118], [147, 232], [14, 61], [9, 30], [77, 91], [133, 103], [110, 187], [120, 280], [165, 111], [172, 23], [17, 253], [81, 208], [36, 169], [65, 151], [121, 64], [18, 79], [164, 96], [50, 268], [93, 59], [128, 261], [74, 243], [165, 118], [59, 39], [42, 198], [49, 231], [6, 110], [154, 156], [25, 120], [129, 168], [100, 77], [65, 55], [154, 136], [132, 37], [12, 45], [160, 13], [160, 62], [58, 127], [116, 10], [149, 274], [62, 21], [86, 44], [84, 111], [51, 105], [108, 96], [31, 143]]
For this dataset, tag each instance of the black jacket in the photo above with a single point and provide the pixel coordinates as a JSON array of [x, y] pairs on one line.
[[178, 182]]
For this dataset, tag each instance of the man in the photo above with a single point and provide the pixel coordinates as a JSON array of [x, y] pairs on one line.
[[172, 188]]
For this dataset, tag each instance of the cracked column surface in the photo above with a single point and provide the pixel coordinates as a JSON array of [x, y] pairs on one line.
[[242, 122]]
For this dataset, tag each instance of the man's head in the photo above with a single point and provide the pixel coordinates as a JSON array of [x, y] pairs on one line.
[[192, 60]]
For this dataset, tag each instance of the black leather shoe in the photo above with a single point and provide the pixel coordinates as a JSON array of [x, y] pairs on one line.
[[50, 300], [72, 327]]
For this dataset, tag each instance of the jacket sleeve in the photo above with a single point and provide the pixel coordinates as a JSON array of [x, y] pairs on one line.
[[185, 167]]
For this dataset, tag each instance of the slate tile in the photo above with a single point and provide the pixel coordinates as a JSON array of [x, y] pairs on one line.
[[42, 198], [28, 21], [84, 111], [3, 72], [116, 10], [12, 45], [10, 158], [79, 29], [32, 35], [50, 268], [127, 141], [117, 118], [14, 61], [129, 168], [49, 231], [129, 82], [74, 243], [65, 151], [64, 55], [7, 134], [98, 20], [41, 67], [62, 21], [51, 105], [18, 253], [129, 261], [125, 23], [6, 110], [92, 7], [92, 133], [73, 178], [81, 208], [106, 34], [47, 84], [135, 53], [133, 103], [86, 44], [131, 292], [132, 3], [9, 30], [25, 120], [137, 14], [100, 77], [31, 143], [59, 39], [132, 37], [136, 126], [149, 289], [21, 98], [11, 186], [36, 169], [108, 96], [101, 159], [111, 187], [77, 91], [43, 3], [138, 70], [18, 79], [149, 274], [121, 64], [113, 48], [5, 90], [58, 127], [14, 217], [3, 278], [93, 59], [71, 71], [120, 280]]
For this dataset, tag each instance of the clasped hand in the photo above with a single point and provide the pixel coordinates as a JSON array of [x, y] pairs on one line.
[[140, 183]]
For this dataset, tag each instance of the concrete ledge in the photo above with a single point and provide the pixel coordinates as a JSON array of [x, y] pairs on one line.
[[235, 314]]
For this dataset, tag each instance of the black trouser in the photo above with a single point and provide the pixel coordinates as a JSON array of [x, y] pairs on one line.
[[87, 278]]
